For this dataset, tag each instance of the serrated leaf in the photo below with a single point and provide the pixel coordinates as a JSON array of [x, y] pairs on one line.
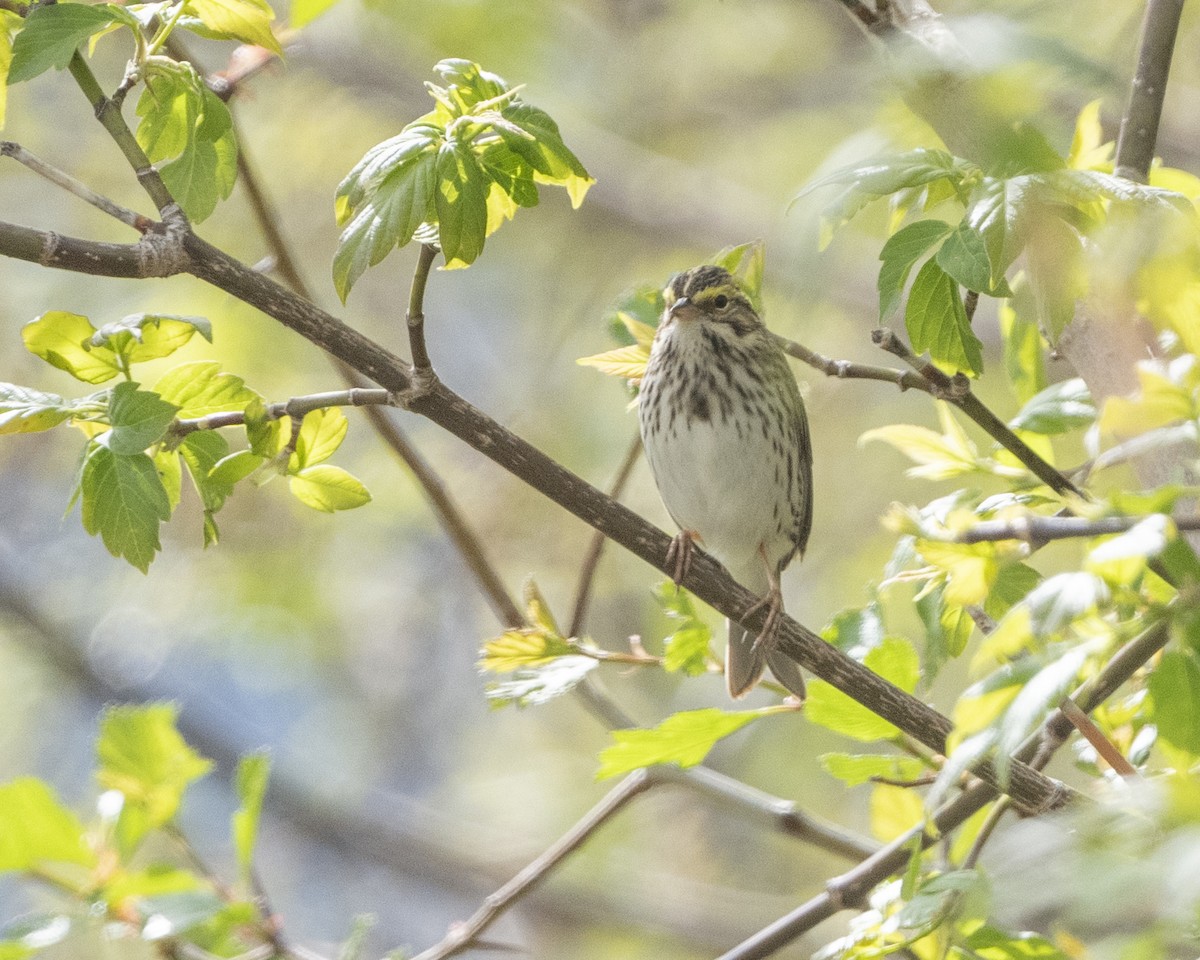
[[901, 252], [855, 769], [390, 215], [148, 336], [533, 687], [245, 20], [964, 257], [543, 149], [202, 451], [937, 321], [25, 410], [63, 340], [142, 756], [938, 456], [251, 783], [139, 418], [519, 649], [894, 660], [328, 488], [683, 739], [52, 33], [321, 433], [124, 501], [628, 362], [460, 197], [1057, 409], [36, 829], [1175, 694], [199, 389], [686, 650]]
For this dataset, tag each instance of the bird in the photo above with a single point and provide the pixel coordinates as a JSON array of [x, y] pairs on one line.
[[725, 433]]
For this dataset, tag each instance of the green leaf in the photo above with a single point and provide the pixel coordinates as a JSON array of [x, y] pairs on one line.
[[251, 782], [139, 419], [150, 336], [1056, 274], [187, 132], [235, 467], [1001, 945], [1120, 560], [745, 262], [124, 501], [304, 12], [1057, 409], [683, 739], [1023, 358], [24, 410], [245, 20], [854, 769], [894, 172], [7, 19], [536, 686], [202, 451], [52, 33], [901, 252], [541, 145], [321, 433], [328, 488], [1175, 694], [63, 340], [142, 756], [686, 650], [855, 631], [896, 661], [199, 389], [994, 213], [937, 321], [390, 218], [460, 198], [964, 256], [36, 829], [1012, 584], [523, 648], [1041, 693]]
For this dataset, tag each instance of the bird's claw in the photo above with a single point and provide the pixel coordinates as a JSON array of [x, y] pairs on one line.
[[679, 555]]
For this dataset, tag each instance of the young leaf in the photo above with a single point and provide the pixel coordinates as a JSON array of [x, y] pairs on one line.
[[901, 252], [124, 501], [1057, 409], [964, 256], [24, 410], [200, 388], [1060, 599], [63, 340], [245, 20], [895, 660], [1024, 360], [1120, 560], [142, 755], [937, 321], [745, 262], [251, 782], [894, 811], [854, 769], [628, 362], [321, 433], [234, 468], [1175, 693], [460, 198], [994, 215], [139, 418], [687, 648], [328, 488], [36, 829], [304, 12], [521, 649], [52, 33], [533, 687], [149, 336], [683, 739], [541, 145], [202, 451]]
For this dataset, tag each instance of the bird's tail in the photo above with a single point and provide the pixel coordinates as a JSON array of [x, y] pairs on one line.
[[745, 659]]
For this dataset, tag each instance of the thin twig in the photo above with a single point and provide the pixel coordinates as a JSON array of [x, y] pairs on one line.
[[591, 559], [415, 318], [1095, 736], [71, 185], [296, 408], [1038, 530], [845, 370], [1139, 126], [957, 390], [986, 829], [462, 935]]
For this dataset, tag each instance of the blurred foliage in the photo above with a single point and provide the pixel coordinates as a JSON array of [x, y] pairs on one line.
[[350, 647]]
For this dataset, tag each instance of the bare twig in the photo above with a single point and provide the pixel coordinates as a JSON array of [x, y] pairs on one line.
[[1037, 530], [62, 179], [591, 559], [986, 829], [423, 374], [957, 390], [1095, 736], [844, 369], [296, 408], [1139, 126]]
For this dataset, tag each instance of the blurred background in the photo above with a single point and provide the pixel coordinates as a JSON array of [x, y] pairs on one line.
[[347, 644]]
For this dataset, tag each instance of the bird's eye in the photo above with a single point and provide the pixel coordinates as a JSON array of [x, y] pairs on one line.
[[720, 301]]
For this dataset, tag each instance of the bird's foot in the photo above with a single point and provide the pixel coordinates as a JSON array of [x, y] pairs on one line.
[[773, 601], [679, 554]]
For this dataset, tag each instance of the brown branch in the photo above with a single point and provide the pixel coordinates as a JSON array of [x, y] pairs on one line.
[[1037, 530], [1139, 125], [415, 318], [957, 390], [1095, 736], [845, 370], [591, 559], [296, 408], [850, 889]]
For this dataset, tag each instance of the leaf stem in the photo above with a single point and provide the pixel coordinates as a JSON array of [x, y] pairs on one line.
[[415, 317]]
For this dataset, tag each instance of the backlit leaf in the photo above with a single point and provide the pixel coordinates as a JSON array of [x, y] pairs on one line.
[[36, 829], [64, 340], [683, 739], [139, 419], [937, 321], [251, 781], [901, 252], [854, 769], [51, 34], [328, 488], [124, 501], [245, 20], [24, 410]]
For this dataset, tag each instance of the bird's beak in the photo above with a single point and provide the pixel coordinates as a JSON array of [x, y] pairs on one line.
[[682, 306]]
